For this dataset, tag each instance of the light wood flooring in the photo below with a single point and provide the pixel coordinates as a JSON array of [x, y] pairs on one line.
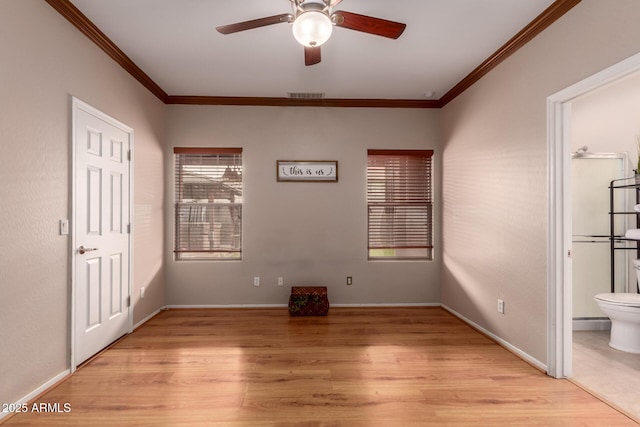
[[355, 367], [610, 374]]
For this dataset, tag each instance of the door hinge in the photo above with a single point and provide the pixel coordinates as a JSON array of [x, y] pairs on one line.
[[129, 155], [569, 253], [129, 301], [128, 228]]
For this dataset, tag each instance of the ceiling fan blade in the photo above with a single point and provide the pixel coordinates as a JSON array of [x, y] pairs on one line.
[[255, 23], [311, 55], [368, 24]]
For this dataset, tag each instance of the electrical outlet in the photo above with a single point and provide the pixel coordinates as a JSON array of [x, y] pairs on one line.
[[500, 306], [349, 281], [142, 292], [280, 281], [256, 281]]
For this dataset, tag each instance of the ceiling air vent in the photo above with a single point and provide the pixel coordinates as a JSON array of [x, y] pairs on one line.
[[305, 95]]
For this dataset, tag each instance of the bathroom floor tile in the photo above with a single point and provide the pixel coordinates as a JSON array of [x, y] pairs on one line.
[[610, 374]]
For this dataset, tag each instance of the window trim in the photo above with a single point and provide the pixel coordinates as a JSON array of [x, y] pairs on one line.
[[217, 253], [405, 200]]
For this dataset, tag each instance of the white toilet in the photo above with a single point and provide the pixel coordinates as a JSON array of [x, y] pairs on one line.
[[624, 311]]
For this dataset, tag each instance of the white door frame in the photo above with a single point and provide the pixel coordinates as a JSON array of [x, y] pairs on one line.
[[559, 324], [77, 104]]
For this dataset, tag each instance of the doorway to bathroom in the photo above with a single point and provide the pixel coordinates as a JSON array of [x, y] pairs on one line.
[[584, 356], [602, 120]]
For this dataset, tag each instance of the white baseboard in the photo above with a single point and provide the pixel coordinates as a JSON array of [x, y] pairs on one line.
[[146, 319], [592, 324], [166, 307], [44, 387], [533, 361], [373, 305]]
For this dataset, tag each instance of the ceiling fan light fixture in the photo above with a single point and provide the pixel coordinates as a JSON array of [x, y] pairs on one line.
[[312, 28]]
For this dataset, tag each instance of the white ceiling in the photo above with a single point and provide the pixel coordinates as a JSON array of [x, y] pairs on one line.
[[175, 43]]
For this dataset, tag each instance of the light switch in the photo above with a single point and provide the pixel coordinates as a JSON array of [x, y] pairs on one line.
[[64, 227]]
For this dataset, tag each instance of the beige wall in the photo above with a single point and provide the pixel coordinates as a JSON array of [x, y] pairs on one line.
[[44, 61], [495, 174], [308, 233], [608, 120]]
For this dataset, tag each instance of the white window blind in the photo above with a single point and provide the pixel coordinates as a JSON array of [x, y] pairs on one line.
[[400, 205], [208, 203]]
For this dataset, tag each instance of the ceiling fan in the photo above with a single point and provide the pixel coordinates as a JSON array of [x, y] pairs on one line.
[[313, 22]]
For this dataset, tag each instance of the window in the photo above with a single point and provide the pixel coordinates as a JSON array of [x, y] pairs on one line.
[[400, 205], [208, 203]]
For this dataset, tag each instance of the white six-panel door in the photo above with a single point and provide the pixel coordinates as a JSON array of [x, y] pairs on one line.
[[101, 234]]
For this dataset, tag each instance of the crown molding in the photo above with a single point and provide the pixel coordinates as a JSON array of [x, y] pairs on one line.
[[289, 102], [93, 33], [89, 29], [542, 21]]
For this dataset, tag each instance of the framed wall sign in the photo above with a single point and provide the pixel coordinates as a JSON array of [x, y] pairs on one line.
[[308, 170]]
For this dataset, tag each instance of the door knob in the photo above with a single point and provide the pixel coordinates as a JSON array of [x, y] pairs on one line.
[[82, 250]]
